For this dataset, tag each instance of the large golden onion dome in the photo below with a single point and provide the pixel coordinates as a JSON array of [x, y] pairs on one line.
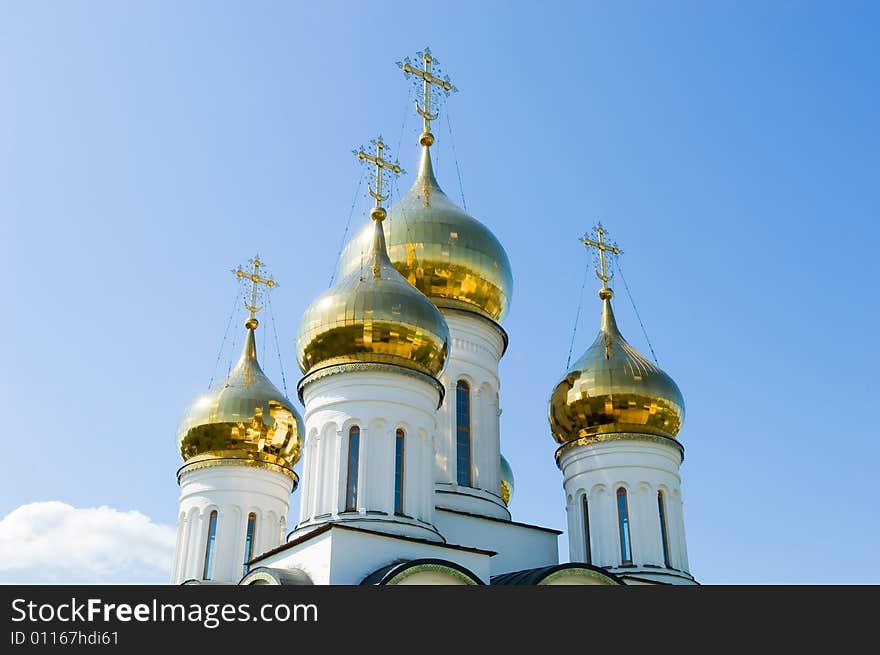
[[614, 389], [373, 315], [442, 251], [507, 485], [243, 420]]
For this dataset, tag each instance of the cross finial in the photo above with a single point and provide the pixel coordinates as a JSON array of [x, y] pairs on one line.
[[430, 77], [383, 168], [602, 247], [255, 280]]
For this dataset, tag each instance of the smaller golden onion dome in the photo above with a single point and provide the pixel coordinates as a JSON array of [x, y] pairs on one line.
[[445, 253], [373, 315], [243, 420], [506, 481], [612, 388]]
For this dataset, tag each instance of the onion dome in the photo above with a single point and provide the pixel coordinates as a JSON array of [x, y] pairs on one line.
[[612, 388], [372, 314], [506, 481], [243, 420], [442, 251]]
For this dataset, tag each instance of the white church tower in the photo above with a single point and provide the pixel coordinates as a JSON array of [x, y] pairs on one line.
[[461, 266], [371, 348], [239, 442], [616, 416]]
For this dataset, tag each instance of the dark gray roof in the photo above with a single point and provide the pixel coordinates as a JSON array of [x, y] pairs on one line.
[[281, 576], [536, 576], [382, 575]]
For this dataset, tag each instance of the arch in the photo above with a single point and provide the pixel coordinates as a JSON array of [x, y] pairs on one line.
[[422, 571], [571, 573], [264, 575]]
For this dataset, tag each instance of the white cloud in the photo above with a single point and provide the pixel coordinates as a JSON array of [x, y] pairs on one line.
[[55, 543]]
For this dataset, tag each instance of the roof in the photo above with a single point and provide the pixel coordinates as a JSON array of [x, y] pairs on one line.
[[386, 574], [540, 574], [328, 526]]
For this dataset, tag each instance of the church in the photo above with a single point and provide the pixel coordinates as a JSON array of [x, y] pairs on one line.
[[402, 478]]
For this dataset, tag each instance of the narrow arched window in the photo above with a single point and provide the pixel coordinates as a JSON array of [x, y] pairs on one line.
[[623, 522], [351, 485], [664, 538], [588, 551], [249, 539], [398, 472], [208, 571], [463, 433]]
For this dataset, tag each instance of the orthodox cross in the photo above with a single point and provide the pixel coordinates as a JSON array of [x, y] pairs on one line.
[[382, 165], [429, 80], [255, 280], [602, 247]]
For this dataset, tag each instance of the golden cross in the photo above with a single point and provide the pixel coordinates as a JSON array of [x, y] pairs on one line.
[[602, 247], [381, 166], [256, 280], [428, 79]]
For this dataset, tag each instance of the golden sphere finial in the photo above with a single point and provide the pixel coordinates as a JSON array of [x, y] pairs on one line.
[[378, 213], [251, 323], [426, 139], [605, 293]]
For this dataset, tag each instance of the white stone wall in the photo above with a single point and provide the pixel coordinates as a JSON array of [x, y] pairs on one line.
[[475, 350], [518, 546], [379, 403], [233, 492], [346, 557], [642, 468]]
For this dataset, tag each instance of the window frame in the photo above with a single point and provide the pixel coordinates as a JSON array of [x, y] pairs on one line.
[[352, 463], [399, 469], [463, 434], [210, 546], [624, 527]]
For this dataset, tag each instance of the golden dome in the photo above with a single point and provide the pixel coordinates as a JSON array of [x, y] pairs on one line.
[[446, 254], [243, 420], [373, 315], [612, 389], [506, 481]]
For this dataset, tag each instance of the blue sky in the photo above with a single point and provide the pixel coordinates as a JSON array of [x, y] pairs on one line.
[[731, 149]]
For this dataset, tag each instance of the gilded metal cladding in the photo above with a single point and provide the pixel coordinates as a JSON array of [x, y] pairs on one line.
[[446, 254], [373, 315], [506, 481], [244, 418], [613, 388]]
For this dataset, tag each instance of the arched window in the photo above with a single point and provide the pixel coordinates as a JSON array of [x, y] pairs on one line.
[[463, 433], [398, 472], [588, 552], [209, 547], [351, 485], [661, 507], [249, 539], [623, 521]]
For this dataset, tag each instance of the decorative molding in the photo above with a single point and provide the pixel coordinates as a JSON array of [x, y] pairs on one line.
[[618, 436], [368, 367]]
